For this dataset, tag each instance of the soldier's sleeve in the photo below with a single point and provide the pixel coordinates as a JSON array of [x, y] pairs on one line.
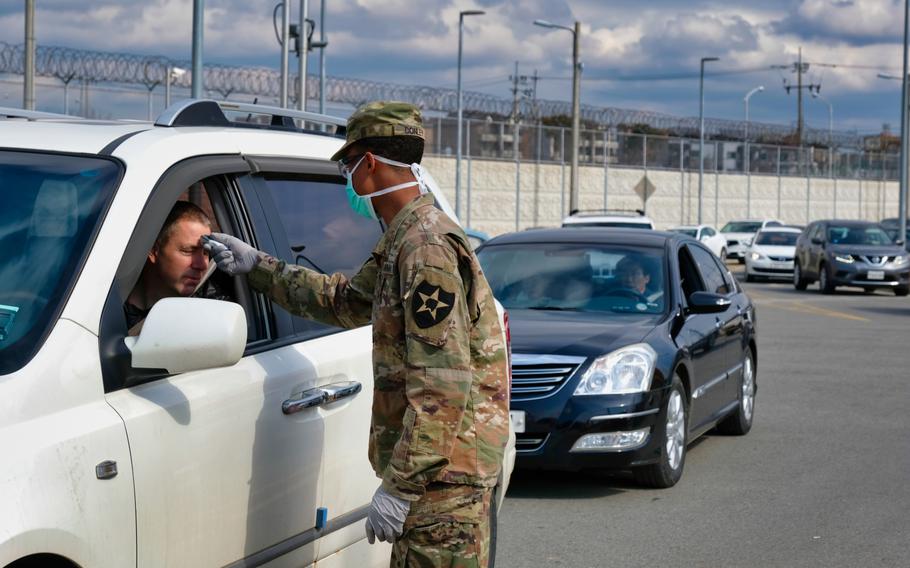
[[332, 299], [438, 368]]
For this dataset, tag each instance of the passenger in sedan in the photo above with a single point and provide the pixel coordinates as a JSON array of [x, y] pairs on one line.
[[175, 266]]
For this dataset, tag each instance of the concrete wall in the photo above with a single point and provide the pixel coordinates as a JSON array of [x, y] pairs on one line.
[[544, 199]]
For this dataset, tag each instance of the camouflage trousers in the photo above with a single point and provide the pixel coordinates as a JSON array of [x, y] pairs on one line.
[[448, 528]]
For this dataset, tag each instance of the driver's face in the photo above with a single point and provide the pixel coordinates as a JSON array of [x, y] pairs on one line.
[[180, 264], [634, 278]]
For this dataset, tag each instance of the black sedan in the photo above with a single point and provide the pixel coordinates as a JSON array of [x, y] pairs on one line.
[[627, 345]]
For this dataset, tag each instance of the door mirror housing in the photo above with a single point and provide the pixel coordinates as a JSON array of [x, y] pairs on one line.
[[817, 241], [189, 334], [708, 303]]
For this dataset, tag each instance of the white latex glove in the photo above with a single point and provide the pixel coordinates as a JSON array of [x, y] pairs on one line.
[[230, 253], [385, 519]]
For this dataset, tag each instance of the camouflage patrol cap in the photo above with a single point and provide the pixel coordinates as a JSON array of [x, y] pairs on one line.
[[382, 118]]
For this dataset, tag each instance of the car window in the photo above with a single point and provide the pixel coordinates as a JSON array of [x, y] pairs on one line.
[[688, 232], [51, 204], [710, 271], [776, 238], [708, 232], [689, 278], [773, 224], [619, 279], [817, 232], [614, 224], [858, 235], [322, 231], [741, 227]]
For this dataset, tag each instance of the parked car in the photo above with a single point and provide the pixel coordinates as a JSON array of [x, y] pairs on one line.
[[892, 226], [627, 346], [616, 218], [740, 232], [476, 238], [850, 253], [770, 256], [226, 432], [707, 235]]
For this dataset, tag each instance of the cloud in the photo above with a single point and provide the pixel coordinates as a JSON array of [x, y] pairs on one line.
[[849, 21]]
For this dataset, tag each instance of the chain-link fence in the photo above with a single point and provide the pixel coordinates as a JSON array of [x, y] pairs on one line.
[[547, 144]]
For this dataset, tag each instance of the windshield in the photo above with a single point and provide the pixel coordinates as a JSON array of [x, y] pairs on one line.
[[858, 235], [690, 232], [741, 227], [620, 224], [777, 238], [51, 203], [578, 277]]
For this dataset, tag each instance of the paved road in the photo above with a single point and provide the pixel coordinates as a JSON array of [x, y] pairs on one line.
[[822, 479]]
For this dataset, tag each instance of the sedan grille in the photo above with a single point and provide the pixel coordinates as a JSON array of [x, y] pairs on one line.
[[781, 258], [536, 376]]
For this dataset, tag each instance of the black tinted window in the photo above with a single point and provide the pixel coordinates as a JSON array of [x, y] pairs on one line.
[[710, 270], [316, 216]]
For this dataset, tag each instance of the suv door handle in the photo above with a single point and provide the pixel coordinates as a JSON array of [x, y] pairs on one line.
[[319, 396]]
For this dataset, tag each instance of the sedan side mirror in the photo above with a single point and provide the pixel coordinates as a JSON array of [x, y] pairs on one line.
[[189, 334], [708, 303]]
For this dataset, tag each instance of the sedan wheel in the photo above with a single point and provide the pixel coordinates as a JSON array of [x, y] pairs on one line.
[[674, 437], [740, 422]]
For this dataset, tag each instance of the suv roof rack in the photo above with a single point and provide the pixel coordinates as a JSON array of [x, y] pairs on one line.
[[629, 212], [206, 112], [9, 112]]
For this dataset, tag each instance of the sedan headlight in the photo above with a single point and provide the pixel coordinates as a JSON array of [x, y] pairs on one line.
[[755, 256], [845, 258], [626, 370]]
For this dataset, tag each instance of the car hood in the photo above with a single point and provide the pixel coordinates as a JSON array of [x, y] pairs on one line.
[[888, 250], [576, 333], [775, 250]]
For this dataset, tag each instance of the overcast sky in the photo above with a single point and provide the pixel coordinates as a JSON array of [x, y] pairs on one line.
[[637, 54]]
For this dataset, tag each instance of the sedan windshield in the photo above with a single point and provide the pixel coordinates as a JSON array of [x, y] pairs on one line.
[[777, 238], [578, 277], [51, 203], [741, 227], [858, 235]]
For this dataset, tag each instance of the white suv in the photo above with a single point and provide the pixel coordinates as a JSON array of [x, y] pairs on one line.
[[226, 433], [616, 218]]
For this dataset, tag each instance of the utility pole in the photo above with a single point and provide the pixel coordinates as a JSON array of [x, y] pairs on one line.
[[515, 91], [799, 68], [303, 52], [28, 91]]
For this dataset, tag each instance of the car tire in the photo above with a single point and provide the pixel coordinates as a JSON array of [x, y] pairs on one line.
[[749, 277], [901, 290], [494, 521], [674, 436], [740, 422], [799, 282], [742, 260], [825, 281]]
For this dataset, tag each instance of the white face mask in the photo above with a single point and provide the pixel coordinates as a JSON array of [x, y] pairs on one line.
[[363, 204]]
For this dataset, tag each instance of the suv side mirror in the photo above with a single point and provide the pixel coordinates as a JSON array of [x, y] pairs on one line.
[[817, 241], [708, 303], [189, 334]]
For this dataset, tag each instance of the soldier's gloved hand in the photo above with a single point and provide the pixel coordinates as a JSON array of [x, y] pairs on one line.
[[385, 519], [231, 254]]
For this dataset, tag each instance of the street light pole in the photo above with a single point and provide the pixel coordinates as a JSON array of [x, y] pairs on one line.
[[461, 16], [28, 91], [905, 131], [198, 27], [746, 156], [576, 107], [701, 133], [304, 52]]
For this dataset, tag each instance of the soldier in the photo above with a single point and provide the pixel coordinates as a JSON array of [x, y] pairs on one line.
[[440, 417]]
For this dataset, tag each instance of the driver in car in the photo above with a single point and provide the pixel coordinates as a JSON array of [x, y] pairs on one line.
[[175, 266], [633, 279]]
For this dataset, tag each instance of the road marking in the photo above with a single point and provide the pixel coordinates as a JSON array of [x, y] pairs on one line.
[[802, 307]]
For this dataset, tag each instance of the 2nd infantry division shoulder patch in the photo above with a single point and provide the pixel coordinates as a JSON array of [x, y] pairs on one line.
[[430, 305]]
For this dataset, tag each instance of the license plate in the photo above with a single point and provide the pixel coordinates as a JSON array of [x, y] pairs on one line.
[[876, 275], [518, 421], [781, 265]]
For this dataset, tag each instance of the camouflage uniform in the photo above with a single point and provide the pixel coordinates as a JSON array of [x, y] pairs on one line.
[[440, 403]]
